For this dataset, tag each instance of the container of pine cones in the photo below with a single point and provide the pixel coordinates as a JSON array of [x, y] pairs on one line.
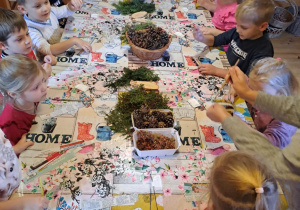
[[150, 43], [156, 142], [145, 118]]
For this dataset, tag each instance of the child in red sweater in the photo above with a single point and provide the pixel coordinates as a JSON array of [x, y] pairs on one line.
[[23, 85]]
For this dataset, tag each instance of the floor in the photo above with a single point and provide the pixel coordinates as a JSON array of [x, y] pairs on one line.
[[287, 47]]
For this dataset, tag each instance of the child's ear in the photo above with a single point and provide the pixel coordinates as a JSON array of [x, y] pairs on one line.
[[22, 9], [263, 26], [12, 94], [2, 46]]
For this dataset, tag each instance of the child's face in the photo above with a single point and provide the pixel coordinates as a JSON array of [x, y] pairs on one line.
[[248, 30], [37, 10], [37, 91], [18, 43]]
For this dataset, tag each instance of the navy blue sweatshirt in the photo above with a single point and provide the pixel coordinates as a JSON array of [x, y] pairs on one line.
[[248, 51]]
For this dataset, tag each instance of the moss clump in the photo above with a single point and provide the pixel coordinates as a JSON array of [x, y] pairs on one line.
[[140, 74], [134, 6], [120, 117]]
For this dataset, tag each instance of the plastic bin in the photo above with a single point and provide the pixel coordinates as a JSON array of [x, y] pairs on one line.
[[294, 28], [282, 18], [169, 132]]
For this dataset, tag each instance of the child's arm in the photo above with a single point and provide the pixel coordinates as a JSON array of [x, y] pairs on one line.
[[209, 69], [282, 162], [207, 4], [279, 133], [28, 202], [285, 109], [22, 145], [61, 47]]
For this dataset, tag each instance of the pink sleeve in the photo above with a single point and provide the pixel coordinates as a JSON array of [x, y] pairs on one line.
[[223, 18], [279, 133]]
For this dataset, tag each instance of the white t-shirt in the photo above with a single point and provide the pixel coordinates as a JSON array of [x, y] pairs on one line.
[[43, 34]]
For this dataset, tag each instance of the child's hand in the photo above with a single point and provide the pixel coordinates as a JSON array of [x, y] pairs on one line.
[[207, 68], [83, 44], [239, 81], [34, 202], [47, 67], [198, 35], [75, 5], [50, 59], [217, 113], [22, 145]]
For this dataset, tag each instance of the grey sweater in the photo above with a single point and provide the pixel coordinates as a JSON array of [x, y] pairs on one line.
[[285, 163]]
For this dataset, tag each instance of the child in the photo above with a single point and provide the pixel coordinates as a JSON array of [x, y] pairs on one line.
[[248, 41], [10, 178], [42, 21], [14, 38], [240, 181], [23, 85], [223, 18], [273, 77], [284, 163]]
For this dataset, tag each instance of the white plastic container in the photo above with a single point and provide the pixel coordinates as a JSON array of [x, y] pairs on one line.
[[169, 132]]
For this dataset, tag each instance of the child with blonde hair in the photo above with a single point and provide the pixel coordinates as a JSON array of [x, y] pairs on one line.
[[240, 181], [248, 42], [23, 86], [42, 21], [272, 76]]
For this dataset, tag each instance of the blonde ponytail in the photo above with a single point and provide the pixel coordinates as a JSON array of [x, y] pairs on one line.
[[235, 178]]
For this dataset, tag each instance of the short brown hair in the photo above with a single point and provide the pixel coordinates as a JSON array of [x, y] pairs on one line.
[[10, 21], [258, 11], [21, 2], [235, 178]]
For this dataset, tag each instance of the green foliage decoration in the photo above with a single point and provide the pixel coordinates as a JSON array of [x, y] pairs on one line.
[[134, 6], [119, 119], [140, 74]]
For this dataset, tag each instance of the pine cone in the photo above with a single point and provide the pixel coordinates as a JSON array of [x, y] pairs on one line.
[[146, 124], [170, 114], [144, 109], [153, 123], [169, 121], [161, 125], [161, 117], [139, 124], [146, 118], [137, 114], [155, 113]]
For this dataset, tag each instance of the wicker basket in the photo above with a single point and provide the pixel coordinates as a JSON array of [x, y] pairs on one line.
[[145, 54]]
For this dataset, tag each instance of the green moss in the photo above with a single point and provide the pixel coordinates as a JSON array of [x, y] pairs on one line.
[[134, 6], [120, 117], [140, 74]]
